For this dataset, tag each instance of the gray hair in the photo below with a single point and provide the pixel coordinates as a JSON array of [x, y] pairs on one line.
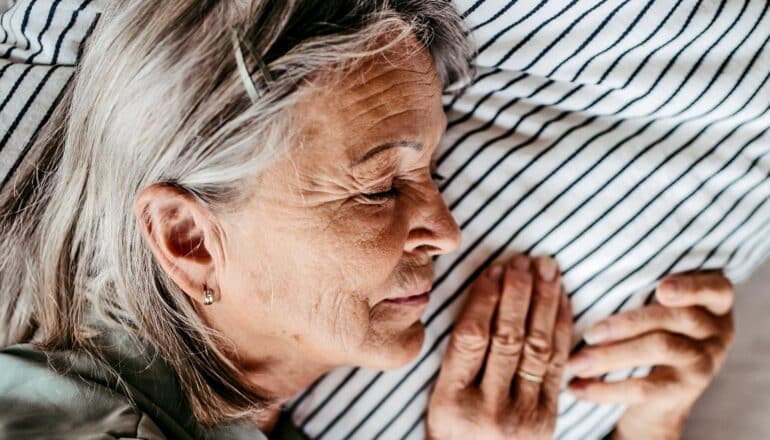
[[158, 99]]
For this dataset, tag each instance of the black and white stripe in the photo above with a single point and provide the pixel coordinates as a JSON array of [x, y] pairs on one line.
[[627, 138], [42, 39]]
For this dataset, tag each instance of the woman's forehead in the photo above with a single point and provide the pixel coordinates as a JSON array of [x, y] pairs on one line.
[[382, 100]]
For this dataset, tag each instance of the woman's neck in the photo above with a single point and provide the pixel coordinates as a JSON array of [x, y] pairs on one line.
[[279, 370], [281, 374]]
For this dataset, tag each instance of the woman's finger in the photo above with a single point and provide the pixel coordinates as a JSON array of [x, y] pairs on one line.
[[624, 392], [470, 337], [711, 290], [508, 335], [562, 343], [538, 343], [694, 322], [656, 348]]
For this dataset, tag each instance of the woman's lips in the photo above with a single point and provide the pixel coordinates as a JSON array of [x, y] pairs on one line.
[[412, 300]]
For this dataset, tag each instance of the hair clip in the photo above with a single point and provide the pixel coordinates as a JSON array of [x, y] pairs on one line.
[[243, 71]]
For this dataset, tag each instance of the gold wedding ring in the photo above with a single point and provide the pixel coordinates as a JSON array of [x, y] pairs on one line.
[[529, 376]]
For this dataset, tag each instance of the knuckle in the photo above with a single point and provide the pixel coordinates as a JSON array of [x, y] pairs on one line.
[[538, 346], [702, 369], [705, 367], [687, 348], [557, 365], [675, 345], [508, 343], [470, 337], [691, 348], [717, 348]]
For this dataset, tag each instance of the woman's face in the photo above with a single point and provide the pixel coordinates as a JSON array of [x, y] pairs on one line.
[[331, 258]]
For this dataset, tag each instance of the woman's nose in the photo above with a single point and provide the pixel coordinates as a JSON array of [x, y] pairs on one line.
[[435, 231]]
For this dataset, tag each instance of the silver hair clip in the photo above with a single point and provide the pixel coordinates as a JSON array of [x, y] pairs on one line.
[[243, 71]]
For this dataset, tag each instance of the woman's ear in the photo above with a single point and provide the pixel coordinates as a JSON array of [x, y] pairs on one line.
[[182, 235]]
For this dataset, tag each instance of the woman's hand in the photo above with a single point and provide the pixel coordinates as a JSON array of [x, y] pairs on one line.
[[501, 373], [686, 337]]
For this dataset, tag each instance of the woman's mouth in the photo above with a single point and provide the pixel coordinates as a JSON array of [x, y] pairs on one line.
[[412, 300]]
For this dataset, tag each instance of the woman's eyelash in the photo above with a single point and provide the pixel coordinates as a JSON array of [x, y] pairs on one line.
[[393, 192], [382, 195]]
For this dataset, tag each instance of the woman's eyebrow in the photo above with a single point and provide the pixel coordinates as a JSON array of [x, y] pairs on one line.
[[386, 146]]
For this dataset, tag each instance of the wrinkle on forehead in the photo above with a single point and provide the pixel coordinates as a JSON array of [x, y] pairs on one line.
[[362, 88], [385, 113], [369, 93], [376, 102]]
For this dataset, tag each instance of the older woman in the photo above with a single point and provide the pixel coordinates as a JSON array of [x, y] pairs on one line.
[[237, 197]]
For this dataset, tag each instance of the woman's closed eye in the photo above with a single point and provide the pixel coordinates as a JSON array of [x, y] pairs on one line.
[[392, 192], [382, 195]]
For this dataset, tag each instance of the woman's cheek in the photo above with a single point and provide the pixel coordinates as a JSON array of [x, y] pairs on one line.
[[373, 238], [346, 321]]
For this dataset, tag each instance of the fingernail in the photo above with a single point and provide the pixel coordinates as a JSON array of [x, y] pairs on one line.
[[520, 263], [547, 268], [578, 364], [495, 271], [597, 334]]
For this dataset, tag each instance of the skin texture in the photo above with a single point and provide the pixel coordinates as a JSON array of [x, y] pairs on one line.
[[303, 271]]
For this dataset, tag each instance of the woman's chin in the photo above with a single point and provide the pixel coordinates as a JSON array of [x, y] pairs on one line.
[[396, 350]]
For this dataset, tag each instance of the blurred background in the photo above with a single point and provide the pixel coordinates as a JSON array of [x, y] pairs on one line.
[[737, 404]]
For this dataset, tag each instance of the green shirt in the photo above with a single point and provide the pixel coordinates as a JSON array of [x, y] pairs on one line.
[[71, 395]]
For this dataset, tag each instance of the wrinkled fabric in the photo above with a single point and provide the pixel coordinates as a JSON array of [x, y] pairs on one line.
[[66, 394]]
